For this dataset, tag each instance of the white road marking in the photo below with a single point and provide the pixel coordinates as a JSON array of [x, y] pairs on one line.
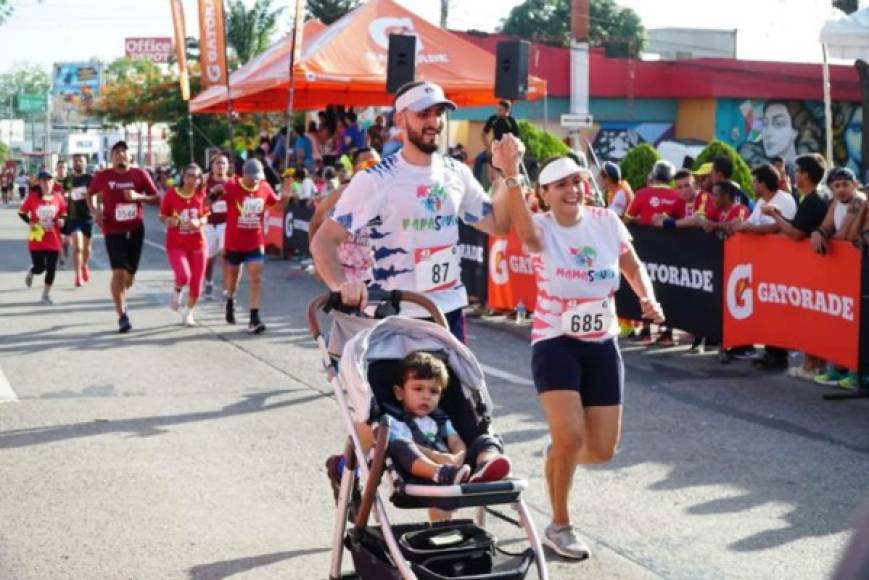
[[515, 379], [155, 245], [7, 395]]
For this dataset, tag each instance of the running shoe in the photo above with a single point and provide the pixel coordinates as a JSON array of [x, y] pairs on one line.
[[85, 273], [564, 542], [665, 340], [642, 336], [188, 319], [849, 383], [697, 346], [209, 289], [78, 281], [831, 377], [46, 300], [495, 469], [256, 327], [452, 474], [124, 323], [28, 278], [175, 300], [230, 311], [799, 372]]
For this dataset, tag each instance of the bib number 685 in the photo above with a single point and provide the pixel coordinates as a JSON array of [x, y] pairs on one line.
[[586, 323]]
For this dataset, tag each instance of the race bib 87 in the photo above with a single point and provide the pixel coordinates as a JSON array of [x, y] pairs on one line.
[[436, 268]]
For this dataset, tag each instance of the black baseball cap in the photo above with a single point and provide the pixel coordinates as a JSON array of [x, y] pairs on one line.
[[43, 175], [841, 174], [120, 144]]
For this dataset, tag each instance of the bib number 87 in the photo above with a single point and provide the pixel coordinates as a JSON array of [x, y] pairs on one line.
[[440, 273], [586, 323]]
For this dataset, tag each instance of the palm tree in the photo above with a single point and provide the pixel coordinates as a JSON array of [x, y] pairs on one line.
[[249, 32]]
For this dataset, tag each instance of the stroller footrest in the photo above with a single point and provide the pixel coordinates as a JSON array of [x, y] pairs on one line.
[[464, 489]]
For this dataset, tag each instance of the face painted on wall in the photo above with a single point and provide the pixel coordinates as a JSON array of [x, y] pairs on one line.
[[778, 133]]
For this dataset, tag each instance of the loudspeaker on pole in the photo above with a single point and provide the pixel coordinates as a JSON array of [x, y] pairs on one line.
[[511, 70], [401, 64]]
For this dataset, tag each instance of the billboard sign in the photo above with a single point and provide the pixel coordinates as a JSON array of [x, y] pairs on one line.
[[86, 143], [74, 87], [156, 50], [31, 104]]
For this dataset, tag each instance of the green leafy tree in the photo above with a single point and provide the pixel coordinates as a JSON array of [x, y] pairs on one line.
[[637, 164], [741, 170], [328, 11], [249, 32], [540, 144], [6, 10], [847, 6], [619, 30], [27, 80], [4, 153]]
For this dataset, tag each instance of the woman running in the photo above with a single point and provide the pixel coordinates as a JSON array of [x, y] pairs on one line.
[[184, 212], [578, 254], [44, 210]]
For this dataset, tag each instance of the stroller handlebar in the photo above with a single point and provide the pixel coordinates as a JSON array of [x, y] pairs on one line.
[[389, 302]]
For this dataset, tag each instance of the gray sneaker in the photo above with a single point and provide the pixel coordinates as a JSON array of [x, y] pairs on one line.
[[564, 542], [46, 300]]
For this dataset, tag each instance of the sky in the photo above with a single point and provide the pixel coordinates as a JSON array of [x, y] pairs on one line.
[[46, 31]]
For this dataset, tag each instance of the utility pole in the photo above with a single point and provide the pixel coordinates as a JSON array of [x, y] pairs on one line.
[[579, 57], [445, 11]]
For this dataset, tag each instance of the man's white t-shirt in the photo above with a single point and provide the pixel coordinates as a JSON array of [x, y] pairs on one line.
[[578, 275], [785, 203], [413, 214]]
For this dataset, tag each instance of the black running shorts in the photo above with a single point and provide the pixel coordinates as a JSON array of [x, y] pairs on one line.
[[593, 369], [125, 250]]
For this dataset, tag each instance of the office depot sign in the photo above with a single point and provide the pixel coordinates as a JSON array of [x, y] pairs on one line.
[[153, 49]]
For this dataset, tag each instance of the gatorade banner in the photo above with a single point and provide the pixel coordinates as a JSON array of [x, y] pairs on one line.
[[474, 251], [179, 29], [685, 266], [511, 276], [781, 293], [273, 227], [297, 221], [212, 43]]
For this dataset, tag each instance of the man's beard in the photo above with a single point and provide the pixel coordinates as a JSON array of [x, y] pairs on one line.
[[419, 141]]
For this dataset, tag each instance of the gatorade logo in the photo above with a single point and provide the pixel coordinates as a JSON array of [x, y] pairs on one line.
[[740, 296], [288, 225], [381, 28], [498, 269]]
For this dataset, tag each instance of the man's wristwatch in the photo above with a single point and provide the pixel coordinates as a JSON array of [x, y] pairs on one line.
[[513, 181]]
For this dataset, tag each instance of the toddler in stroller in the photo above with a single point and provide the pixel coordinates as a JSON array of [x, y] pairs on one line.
[[422, 439], [369, 388]]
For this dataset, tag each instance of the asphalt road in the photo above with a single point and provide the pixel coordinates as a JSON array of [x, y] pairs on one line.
[[198, 453]]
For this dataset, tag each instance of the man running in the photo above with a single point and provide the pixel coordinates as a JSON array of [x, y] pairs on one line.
[[246, 202], [215, 229], [80, 223], [61, 173], [412, 202], [122, 190]]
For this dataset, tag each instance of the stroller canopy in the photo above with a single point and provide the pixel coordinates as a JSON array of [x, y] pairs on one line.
[[394, 338]]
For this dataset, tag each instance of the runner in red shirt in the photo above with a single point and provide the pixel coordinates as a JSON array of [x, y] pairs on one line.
[[655, 199], [44, 212], [724, 194], [122, 190], [184, 211], [246, 202], [215, 229]]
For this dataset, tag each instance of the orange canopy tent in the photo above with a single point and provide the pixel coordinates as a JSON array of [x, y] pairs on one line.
[[346, 64]]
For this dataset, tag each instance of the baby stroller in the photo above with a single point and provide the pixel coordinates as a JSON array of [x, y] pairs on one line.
[[370, 350]]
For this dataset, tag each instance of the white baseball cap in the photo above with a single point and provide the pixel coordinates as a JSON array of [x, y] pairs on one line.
[[423, 96]]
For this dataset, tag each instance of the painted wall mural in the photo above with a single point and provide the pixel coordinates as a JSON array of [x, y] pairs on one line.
[[761, 130], [614, 139]]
